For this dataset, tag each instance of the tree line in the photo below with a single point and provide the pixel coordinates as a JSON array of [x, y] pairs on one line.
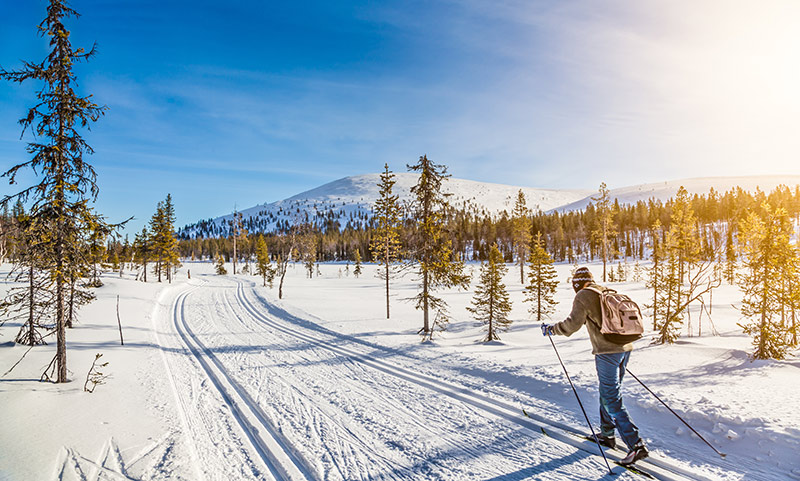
[[691, 244]]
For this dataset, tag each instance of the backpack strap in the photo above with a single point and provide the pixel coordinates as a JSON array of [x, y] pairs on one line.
[[598, 322]]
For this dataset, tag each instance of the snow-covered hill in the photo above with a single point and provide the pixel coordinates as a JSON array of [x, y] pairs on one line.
[[701, 185], [349, 200]]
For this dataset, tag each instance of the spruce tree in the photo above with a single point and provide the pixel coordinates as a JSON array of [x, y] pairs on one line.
[[263, 263], [542, 281], [142, 252], [604, 229], [385, 242], [491, 304], [163, 243], [238, 234], [66, 181], [219, 266], [357, 267], [432, 253], [768, 258], [729, 271], [522, 233], [30, 302]]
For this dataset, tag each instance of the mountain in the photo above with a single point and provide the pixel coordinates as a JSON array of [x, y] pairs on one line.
[[348, 201], [700, 185]]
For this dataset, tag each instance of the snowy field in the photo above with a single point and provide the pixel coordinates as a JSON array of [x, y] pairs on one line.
[[219, 380]]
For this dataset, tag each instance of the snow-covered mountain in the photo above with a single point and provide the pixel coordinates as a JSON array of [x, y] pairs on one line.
[[349, 200], [701, 185]]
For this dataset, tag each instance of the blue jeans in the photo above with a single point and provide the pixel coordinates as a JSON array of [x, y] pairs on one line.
[[610, 371]]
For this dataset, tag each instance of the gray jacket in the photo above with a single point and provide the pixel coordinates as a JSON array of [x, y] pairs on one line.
[[586, 310]]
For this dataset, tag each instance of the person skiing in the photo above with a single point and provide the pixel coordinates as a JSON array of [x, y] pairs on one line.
[[610, 361]]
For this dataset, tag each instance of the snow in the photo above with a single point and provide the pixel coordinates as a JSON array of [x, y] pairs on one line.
[[664, 191], [218, 379], [350, 199]]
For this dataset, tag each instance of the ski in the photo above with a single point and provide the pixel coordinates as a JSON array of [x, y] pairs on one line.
[[630, 468]]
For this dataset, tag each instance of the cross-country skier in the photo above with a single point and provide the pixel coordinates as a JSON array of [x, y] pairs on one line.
[[610, 362]]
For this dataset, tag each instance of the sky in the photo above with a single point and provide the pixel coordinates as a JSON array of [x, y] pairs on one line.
[[230, 104]]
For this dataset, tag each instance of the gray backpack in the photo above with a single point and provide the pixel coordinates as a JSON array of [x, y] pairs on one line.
[[622, 318]]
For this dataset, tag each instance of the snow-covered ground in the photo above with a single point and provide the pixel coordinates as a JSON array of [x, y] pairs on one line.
[[220, 380]]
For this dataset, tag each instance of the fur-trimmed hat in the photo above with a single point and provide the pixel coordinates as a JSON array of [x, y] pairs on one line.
[[581, 276]]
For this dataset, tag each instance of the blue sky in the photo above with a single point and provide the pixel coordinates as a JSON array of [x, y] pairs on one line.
[[254, 101]]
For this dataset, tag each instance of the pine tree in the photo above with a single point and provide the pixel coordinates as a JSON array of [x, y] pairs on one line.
[[263, 263], [238, 234], [31, 301], [491, 304], [68, 182], [163, 244], [219, 267], [656, 271], [542, 281], [685, 274], [521, 233], [604, 229], [729, 272], [142, 252], [385, 242], [432, 253], [357, 267], [769, 259]]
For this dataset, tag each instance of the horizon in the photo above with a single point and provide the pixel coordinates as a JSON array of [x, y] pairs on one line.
[[256, 103]]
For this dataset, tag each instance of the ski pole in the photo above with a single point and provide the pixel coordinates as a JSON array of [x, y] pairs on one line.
[[722, 455], [580, 404]]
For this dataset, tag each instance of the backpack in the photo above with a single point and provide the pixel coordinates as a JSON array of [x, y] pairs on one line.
[[622, 318]]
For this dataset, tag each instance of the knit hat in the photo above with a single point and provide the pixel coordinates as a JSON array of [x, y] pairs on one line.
[[581, 276]]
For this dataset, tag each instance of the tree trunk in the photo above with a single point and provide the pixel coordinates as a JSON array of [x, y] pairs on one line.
[[426, 326], [31, 306], [387, 288], [283, 274]]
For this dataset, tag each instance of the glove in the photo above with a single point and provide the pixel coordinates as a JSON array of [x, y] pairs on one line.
[[547, 330]]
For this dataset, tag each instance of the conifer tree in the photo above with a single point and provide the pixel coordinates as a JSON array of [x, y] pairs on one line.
[[163, 244], [686, 276], [656, 271], [263, 263], [219, 266], [491, 304], [238, 234], [67, 182], [542, 281], [432, 253], [385, 242], [604, 229], [729, 272], [357, 266], [768, 259], [522, 233], [31, 301], [142, 252]]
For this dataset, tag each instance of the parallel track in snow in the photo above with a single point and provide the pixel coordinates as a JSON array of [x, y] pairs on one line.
[[655, 467], [279, 457]]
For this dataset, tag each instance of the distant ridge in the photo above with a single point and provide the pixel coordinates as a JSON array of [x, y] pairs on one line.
[[700, 185], [348, 201]]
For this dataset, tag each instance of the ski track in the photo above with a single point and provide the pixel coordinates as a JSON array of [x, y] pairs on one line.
[[345, 418], [263, 394], [502, 409], [261, 437]]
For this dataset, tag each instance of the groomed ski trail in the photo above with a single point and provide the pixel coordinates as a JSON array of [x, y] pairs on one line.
[[655, 467], [267, 396], [281, 463]]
